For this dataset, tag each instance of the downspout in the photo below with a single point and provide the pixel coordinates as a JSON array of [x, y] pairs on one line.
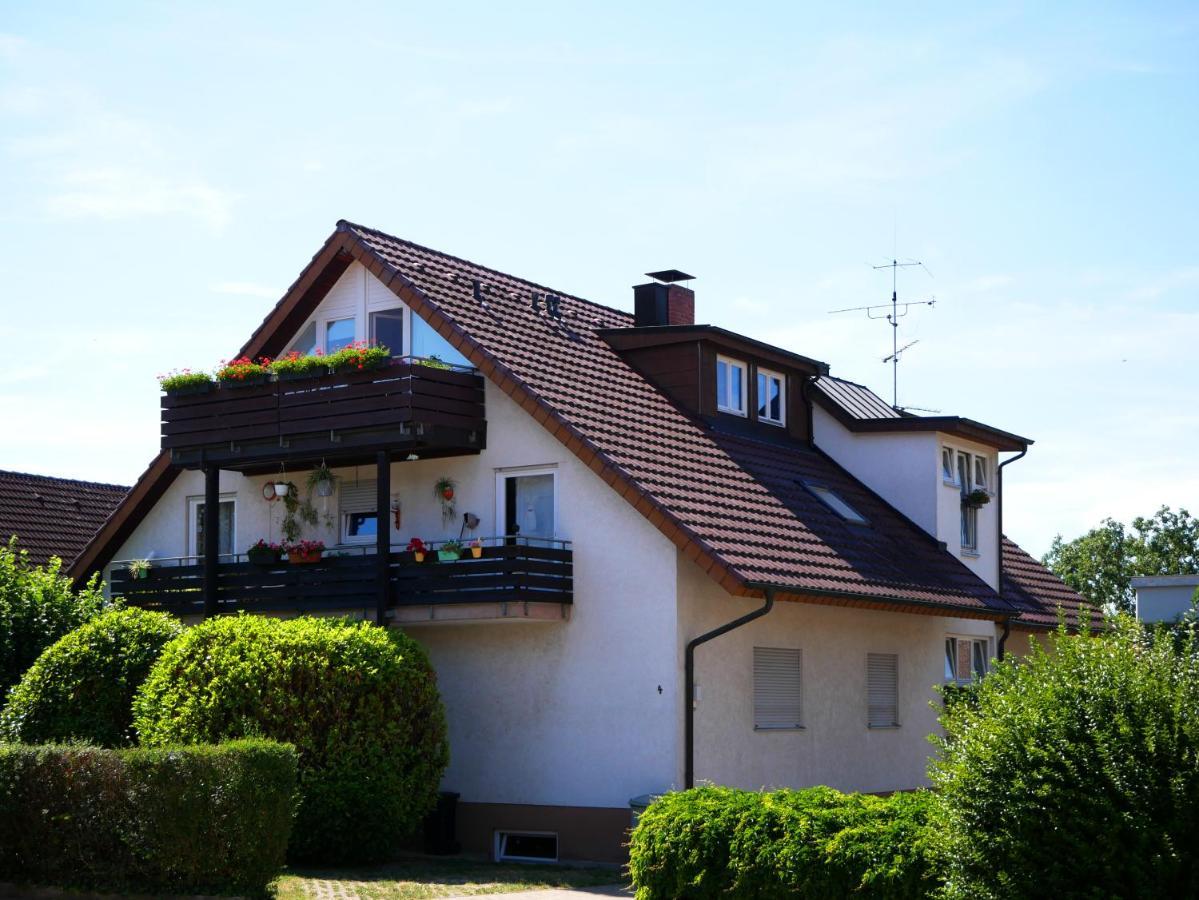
[[689, 682], [1007, 623]]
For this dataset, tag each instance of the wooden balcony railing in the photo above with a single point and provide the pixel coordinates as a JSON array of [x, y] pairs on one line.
[[506, 572], [408, 404]]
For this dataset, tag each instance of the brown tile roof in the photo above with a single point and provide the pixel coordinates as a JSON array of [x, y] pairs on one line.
[[735, 506], [1036, 592], [53, 516]]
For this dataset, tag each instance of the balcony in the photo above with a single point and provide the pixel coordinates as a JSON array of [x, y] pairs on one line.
[[410, 406], [513, 579]]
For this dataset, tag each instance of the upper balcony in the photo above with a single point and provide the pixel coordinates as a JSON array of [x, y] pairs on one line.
[[412, 405]]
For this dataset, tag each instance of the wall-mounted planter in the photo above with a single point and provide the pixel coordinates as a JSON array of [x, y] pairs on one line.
[[304, 559], [263, 557], [447, 555]]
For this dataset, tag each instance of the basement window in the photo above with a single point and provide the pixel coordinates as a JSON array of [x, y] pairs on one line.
[[526, 846], [833, 501]]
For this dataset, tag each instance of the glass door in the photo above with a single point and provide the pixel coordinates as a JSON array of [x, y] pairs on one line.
[[529, 506]]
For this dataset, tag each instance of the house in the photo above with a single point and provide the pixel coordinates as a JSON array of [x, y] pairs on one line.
[[53, 517], [1163, 598], [640, 481]]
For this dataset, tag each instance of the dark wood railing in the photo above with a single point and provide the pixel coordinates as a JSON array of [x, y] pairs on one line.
[[503, 573], [396, 403]]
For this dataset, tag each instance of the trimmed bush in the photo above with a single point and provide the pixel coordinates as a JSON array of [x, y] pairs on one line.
[[816, 842], [175, 819], [37, 607], [359, 703], [81, 688], [1076, 772]]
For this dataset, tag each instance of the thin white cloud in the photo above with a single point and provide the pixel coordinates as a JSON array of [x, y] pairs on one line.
[[122, 193], [1178, 279]]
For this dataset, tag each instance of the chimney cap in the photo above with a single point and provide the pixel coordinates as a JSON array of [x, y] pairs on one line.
[[669, 276]]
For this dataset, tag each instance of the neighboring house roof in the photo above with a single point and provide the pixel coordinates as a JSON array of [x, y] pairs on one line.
[[1036, 592], [53, 516], [861, 410], [734, 505]]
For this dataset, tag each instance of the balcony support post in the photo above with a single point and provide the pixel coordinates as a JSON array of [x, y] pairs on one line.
[[382, 534], [212, 535]]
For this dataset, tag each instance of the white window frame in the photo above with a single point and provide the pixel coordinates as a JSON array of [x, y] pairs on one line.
[[985, 482], [404, 321], [968, 535], [794, 726], [193, 505], [501, 496], [988, 652], [835, 502], [895, 721], [769, 374], [950, 455], [501, 845], [328, 320], [343, 534], [743, 370]]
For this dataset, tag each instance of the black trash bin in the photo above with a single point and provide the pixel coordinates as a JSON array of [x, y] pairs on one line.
[[441, 826]]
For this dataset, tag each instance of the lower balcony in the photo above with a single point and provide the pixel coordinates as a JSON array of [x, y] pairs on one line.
[[511, 579]]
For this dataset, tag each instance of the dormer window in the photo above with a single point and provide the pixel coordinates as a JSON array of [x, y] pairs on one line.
[[730, 386], [771, 401], [980, 474], [947, 473]]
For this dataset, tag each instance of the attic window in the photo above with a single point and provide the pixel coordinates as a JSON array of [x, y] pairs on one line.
[[730, 385], [833, 501]]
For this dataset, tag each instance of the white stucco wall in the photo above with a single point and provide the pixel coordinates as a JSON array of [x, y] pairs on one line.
[[898, 467], [1164, 598], [835, 747], [985, 562]]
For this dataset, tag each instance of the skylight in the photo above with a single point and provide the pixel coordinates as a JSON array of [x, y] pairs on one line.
[[834, 502]]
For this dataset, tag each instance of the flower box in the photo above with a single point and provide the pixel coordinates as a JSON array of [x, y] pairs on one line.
[[184, 390], [248, 381], [447, 555], [304, 557], [263, 556]]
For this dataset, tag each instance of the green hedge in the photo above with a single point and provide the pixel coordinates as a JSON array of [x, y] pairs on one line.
[[37, 607], [358, 702], [205, 818], [816, 842], [81, 688], [1076, 771]]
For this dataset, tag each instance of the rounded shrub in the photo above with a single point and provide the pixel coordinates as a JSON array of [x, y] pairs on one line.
[[1075, 772], [358, 702], [716, 842], [81, 688]]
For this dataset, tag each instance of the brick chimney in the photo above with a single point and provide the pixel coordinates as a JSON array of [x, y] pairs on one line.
[[664, 301]]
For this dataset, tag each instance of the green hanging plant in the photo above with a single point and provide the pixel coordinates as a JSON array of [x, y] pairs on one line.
[[297, 513]]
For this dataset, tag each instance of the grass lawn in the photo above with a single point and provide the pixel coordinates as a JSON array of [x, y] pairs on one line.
[[421, 877]]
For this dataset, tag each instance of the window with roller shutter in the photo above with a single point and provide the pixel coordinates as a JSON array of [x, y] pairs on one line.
[[778, 688], [882, 690]]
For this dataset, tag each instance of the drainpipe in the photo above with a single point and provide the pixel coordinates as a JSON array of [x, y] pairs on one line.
[[1007, 624], [689, 682]]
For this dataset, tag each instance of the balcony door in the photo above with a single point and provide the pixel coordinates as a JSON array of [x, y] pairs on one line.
[[527, 504], [196, 515]]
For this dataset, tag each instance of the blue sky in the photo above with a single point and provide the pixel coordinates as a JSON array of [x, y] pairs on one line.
[[167, 170]]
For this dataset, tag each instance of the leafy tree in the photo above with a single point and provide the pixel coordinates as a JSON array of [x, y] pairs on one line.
[[37, 607], [1101, 563]]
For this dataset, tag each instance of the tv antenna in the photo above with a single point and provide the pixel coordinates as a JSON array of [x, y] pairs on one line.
[[893, 312]]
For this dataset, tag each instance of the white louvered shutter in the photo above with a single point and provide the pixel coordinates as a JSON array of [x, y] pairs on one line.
[[357, 498], [882, 689], [778, 698]]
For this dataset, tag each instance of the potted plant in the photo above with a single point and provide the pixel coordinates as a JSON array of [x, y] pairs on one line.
[[443, 490], [323, 479], [139, 569], [476, 548], [976, 498], [359, 357], [244, 372], [264, 554], [303, 553], [449, 551], [185, 381], [418, 549], [296, 365]]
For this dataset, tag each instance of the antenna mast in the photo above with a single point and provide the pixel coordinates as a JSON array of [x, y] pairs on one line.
[[897, 311]]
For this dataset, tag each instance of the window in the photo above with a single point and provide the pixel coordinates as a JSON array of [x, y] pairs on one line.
[[528, 846], [387, 330], [980, 473], [770, 397], [966, 658], [778, 694], [527, 504], [882, 690], [947, 474], [227, 539], [428, 343], [834, 502], [359, 522], [730, 386], [338, 333], [305, 344], [969, 513]]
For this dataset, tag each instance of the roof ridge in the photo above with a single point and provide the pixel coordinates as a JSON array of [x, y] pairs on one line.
[[34, 475], [346, 224]]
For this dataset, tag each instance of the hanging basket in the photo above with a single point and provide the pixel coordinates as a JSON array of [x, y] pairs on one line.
[[324, 488]]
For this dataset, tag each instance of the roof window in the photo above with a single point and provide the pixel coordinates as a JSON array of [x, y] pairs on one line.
[[833, 501]]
